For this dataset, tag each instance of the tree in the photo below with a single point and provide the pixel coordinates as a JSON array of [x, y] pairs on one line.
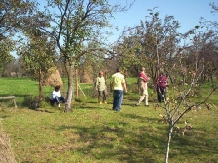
[[74, 24], [37, 56], [151, 44], [11, 13]]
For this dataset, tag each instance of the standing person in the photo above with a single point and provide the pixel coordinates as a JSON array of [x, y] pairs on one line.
[[142, 80], [100, 86], [56, 96], [118, 84], [161, 85]]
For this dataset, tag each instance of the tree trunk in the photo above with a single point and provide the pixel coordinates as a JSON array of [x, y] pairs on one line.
[[168, 142], [77, 84], [70, 70], [40, 85]]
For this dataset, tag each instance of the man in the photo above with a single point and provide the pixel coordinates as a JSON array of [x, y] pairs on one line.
[[100, 86], [142, 81], [118, 84], [161, 84]]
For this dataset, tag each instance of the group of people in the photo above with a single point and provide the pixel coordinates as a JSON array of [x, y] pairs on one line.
[[118, 87], [160, 83]]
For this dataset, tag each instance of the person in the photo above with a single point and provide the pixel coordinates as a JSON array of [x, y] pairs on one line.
[[161, 85], [142, 81], [56, 97], [118, 85], [100, 86]]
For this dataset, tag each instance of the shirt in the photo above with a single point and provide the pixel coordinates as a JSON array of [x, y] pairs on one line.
[[100, 83], [162, 81], [143, 79], [117, 80], [55, 94]]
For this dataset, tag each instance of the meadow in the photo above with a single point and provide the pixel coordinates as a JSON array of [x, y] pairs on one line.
[[93, 133]]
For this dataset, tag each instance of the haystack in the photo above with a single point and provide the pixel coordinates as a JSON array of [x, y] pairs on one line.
[[6, 153], [53, 78]]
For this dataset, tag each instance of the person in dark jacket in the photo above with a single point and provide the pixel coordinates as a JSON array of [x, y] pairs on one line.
[[161, 86]]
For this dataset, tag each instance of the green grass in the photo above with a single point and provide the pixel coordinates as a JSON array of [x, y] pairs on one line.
[[93, 133]]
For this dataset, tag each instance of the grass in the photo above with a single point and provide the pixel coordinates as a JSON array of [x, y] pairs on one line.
[[93, 133]]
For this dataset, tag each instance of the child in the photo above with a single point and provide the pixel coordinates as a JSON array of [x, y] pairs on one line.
[[56, 96]]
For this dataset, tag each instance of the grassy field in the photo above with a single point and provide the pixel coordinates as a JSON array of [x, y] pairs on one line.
[[93, 133]]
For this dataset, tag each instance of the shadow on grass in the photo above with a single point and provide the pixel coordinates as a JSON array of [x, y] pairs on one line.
[[114, 141], [144, 143]]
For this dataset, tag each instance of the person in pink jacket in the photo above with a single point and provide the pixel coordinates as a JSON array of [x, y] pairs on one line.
[[142, 81]]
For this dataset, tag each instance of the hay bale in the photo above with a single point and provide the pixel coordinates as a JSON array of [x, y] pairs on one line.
[[53, 78], [6, 153]]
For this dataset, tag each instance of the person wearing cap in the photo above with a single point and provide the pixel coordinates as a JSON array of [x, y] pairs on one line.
[[100, 86], [142, 81], [56, 96], [117, 85]]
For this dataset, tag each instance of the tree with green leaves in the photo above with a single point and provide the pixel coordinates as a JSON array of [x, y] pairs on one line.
[[37, 55], [75, 23], [11, 14], [150, 44]]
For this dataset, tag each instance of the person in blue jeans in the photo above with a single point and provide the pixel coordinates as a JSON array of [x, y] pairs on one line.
[[118, 85]]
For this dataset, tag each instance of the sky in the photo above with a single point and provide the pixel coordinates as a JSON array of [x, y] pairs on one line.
[[186, 12]]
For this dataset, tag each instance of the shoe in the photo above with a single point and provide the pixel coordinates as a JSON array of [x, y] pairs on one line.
[[59, 105], [147, 105], [136, 104], [105, 102], [100, 103], [116, 109]]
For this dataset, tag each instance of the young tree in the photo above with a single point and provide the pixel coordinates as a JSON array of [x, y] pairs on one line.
[[37, 56], [182, 98]]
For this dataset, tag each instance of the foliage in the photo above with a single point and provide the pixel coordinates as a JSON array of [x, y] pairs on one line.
[[151, 44], [13, 13]]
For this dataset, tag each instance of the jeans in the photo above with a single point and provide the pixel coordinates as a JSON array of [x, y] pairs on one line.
[[57, 100], [118, 97], [161, 93]]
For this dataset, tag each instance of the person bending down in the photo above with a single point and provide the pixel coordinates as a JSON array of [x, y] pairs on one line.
[[56, 96]]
